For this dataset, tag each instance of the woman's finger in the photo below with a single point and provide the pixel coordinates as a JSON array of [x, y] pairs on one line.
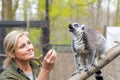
[[52, 57], [49, 53]]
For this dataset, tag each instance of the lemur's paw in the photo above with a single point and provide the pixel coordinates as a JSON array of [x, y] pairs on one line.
[[85, 69], [96, 66], [76, 72], [80, 69], [88, 73]]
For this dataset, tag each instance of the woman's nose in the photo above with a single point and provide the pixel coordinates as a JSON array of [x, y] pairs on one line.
[[28, 47]]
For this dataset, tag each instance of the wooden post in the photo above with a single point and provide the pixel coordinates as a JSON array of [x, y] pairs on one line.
[[111, 54]]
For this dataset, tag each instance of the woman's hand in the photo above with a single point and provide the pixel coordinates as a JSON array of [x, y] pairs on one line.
[[48, 64], [49, 60]]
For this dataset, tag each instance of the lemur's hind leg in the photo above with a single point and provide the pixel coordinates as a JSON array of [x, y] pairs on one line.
[[83, 59], [96, 62], [83, 64], [91, 58], [77, 61]]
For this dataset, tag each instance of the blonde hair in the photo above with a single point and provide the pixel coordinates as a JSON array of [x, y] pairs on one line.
[[10, 42]]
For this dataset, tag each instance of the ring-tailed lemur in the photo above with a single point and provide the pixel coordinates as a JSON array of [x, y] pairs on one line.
[[87, 45]]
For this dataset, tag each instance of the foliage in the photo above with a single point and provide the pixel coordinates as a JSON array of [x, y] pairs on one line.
[[59, 12], [35, 39], [67, 8], [41, 9], [62, 12]]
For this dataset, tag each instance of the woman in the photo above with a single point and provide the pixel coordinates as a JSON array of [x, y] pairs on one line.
[[19, 64]]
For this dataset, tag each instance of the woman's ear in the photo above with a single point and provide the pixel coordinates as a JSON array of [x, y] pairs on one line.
[[11, 54]]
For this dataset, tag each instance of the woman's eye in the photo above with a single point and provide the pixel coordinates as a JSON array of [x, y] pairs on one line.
[[29, 42], [22, 46]]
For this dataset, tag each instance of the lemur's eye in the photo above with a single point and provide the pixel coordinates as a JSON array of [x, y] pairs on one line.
[[76, 25]]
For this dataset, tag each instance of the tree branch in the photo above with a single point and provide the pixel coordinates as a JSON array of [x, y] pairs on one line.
[[111, 54]]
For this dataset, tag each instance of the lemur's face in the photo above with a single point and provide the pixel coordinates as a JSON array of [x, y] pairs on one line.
[[76, 28]]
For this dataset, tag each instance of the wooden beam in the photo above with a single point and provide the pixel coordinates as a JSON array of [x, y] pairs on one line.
[[111, 54]]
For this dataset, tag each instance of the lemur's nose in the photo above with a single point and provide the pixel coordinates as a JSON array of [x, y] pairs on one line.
[[70, 26]]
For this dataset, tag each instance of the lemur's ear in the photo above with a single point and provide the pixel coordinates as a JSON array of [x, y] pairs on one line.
[[83, 27]]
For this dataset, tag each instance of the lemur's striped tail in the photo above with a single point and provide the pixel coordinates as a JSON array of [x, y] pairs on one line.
[[98, 75]]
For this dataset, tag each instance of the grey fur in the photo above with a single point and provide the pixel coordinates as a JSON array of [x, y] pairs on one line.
[[87, 45]]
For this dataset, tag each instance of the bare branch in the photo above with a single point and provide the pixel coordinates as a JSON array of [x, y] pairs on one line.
[[111, 54]]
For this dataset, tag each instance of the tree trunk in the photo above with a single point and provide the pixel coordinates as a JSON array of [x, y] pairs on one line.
[[8, 13], [98, 13], [108, 13], [117, 13]]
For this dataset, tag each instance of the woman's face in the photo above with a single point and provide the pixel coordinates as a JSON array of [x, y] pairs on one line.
[[24, 50]]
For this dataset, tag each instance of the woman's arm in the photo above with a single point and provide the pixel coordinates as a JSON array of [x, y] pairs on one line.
[[48, 64]]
